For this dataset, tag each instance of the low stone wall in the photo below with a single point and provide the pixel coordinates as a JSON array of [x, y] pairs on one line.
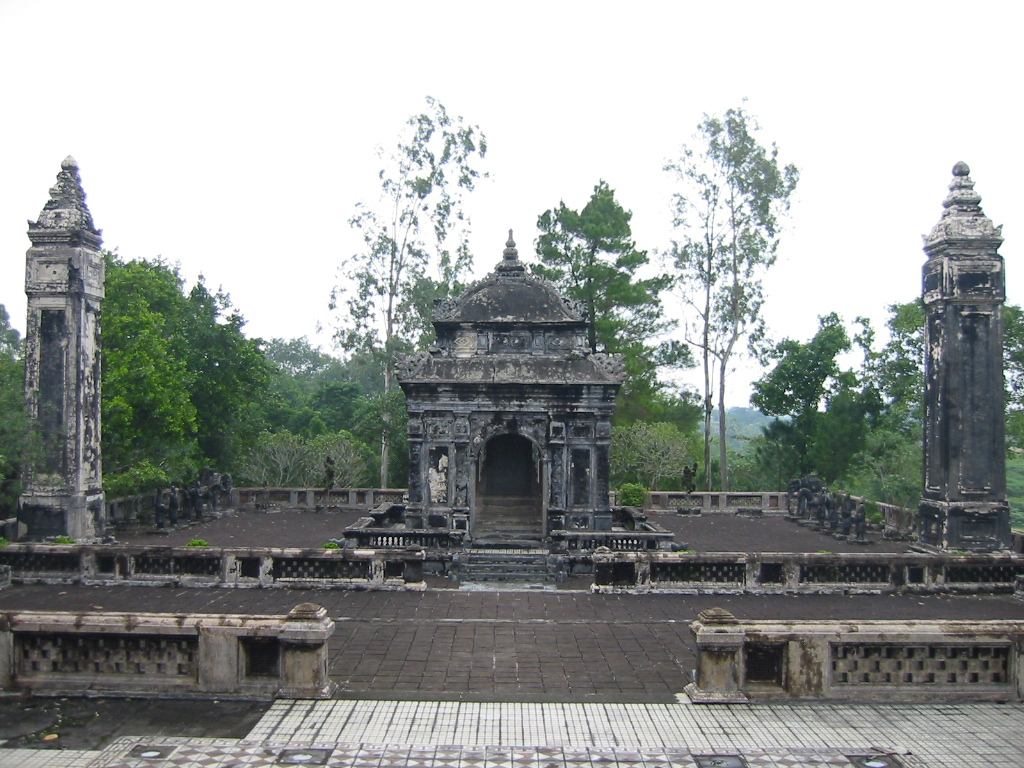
[[856, 661], [174, 655], [782, 572], [311, 498], [212, 566], [709, 502]]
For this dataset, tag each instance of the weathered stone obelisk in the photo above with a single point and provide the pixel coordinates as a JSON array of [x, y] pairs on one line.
[[964, 501], [64, 275]]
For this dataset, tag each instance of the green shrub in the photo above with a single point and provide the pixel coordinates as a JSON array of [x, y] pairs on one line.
[[3, 542], [331, 545], [632, 495], [64, 540], [198, 543]]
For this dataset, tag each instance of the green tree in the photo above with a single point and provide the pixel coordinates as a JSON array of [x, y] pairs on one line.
[[651, 454], [822, 412], [150, 425], [182, 385], [415, 243], [14, 424], [591, 256], [733, 194]]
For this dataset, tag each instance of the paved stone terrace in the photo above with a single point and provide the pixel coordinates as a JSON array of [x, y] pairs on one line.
[[389, 734], [722, 532]]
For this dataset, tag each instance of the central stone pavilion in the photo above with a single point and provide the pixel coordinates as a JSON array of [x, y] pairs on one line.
[[509, 414]]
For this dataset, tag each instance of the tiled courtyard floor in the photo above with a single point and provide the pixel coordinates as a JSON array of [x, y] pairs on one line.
[[388, 734]]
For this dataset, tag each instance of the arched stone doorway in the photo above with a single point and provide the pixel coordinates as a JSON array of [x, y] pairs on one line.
[[509, 490]]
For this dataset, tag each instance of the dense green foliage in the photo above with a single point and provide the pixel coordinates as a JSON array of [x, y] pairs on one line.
[[14, 425], [182, 385]]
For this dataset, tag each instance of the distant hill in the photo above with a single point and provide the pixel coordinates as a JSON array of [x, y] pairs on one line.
[[741, 424]]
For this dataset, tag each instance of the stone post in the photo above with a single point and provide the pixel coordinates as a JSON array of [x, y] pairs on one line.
[[719, 657], [64, 276], [963, 506]]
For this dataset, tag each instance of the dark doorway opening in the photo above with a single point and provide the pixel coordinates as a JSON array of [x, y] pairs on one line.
[[509, 489]]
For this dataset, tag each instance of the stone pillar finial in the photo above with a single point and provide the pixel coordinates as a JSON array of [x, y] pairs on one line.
[[510, 263], [511, 253]]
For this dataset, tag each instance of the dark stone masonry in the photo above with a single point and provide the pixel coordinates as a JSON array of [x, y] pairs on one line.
[[964, 501], [510, 413], [64, 276]]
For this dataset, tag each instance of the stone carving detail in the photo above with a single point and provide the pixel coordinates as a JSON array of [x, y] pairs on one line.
[[409, 365], [613, 365], [439, 481], [445, 308], [464, 344], [576, 307], [66, 208]]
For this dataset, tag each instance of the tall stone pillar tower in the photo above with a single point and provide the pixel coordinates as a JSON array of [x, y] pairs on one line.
[[964, 502], [64, 275]]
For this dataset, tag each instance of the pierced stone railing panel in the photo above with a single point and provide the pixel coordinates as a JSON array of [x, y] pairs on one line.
[[856, 660], [154, 654], [935, 664], [813, 573], [209, 566], [29, 558]]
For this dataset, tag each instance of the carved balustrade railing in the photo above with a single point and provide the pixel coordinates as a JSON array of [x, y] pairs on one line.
[[785, 572], [213, 566], [156, 654], [857, 660]]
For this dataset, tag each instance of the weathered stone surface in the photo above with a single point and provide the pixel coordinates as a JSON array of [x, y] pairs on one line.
[[510, 412], [963, 506], [64, 276]]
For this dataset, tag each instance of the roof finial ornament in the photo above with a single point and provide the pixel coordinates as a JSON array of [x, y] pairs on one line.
[[511, 254], [962, 217]]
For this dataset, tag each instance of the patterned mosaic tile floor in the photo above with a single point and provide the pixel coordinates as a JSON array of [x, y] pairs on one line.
[[396, 734]]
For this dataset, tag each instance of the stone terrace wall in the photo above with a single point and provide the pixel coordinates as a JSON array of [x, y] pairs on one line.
[[153, 654], [857, 661]]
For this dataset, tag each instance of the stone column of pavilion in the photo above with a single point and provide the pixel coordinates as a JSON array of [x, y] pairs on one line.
[[64, 274], [963, 506]]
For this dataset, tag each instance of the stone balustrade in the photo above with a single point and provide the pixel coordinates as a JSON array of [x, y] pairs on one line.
[[213, 566], [856, 660], [159, 654], [795, 572], [709, 502]]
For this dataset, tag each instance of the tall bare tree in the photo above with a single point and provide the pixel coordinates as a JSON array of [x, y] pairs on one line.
[[733, 192], [415, 245]]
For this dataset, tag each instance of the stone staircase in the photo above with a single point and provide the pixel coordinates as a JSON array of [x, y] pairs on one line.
[[508, 521], [529, 566]]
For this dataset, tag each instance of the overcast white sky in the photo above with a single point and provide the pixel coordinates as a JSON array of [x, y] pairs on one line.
[[235, 138]]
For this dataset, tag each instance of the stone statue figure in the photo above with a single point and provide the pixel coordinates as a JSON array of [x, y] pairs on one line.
[[159, 508], [438, 479], [860, 523], [328, 476], [173, 504]]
